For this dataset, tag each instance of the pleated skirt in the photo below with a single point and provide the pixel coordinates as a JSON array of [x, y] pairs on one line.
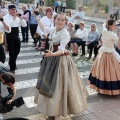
[[105, 74], [70, 92]]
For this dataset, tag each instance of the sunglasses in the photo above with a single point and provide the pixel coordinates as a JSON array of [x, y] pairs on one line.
[[93, 26]]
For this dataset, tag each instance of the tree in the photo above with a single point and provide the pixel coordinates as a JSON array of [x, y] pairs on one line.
[[95, 6], [49, 2], [79, 2], [70, 4]]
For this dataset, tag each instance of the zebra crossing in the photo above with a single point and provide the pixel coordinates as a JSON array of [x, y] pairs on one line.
[[28, 65]]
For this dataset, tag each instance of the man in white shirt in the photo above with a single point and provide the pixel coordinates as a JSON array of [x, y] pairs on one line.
[[78, 17], [14, 20], [48, 22], [29, 7]]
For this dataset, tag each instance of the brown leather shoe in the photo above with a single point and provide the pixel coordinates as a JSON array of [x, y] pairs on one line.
[[51, 118]]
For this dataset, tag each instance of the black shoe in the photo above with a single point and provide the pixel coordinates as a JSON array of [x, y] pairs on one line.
[[74, 54], [13, 72], [88, 58], [82, 55]]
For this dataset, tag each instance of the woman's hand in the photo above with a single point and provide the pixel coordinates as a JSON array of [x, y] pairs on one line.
[[9, 101], [48, 54], [74, 36]]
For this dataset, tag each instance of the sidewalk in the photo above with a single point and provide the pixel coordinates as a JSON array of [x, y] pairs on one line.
[[101, 107]]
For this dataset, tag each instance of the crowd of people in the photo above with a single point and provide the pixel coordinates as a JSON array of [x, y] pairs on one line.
[[60, 90]]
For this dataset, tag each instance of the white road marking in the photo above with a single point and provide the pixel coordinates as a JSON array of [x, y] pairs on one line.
[[29, 102], [21, 62], [25, 84], [26, 54]]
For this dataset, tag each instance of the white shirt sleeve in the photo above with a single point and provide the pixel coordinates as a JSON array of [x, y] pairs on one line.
[[8, 31], [65, 38], [39, 31], [49, 30], [23, 23]]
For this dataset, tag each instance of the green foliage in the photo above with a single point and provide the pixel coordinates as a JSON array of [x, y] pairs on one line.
[[71, 4], [106, 9], [50, 2], [25, 1], [98, 2]]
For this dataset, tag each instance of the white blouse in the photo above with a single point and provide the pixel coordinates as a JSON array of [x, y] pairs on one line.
[[82, 34], [70, 19], [109, 39], [61, 37]]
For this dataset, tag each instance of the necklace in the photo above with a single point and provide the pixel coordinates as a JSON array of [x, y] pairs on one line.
[[55, 34], [58, 30]]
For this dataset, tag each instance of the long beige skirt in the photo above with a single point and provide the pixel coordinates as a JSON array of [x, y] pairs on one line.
[[70, 92], [105, 74]]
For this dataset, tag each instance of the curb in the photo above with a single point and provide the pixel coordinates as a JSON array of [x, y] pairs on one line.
[[93, 19], [36, 117]]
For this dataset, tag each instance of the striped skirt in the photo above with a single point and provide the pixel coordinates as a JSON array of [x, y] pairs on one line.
[[105, 74]]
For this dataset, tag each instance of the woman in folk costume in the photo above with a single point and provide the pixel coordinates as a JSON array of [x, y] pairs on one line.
[[105, 73], [60, 90]]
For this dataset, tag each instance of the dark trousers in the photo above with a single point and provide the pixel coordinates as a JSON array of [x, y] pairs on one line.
[[24, 31], [39, 38], [56, 9], [83, 46], [116, 16], [76, 26], [2, 54], [14, 49], [44, 44], [47, 44], [33, 28], [96, 49], [91, 46], [118, 51], [37, 5], [63, 9]]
